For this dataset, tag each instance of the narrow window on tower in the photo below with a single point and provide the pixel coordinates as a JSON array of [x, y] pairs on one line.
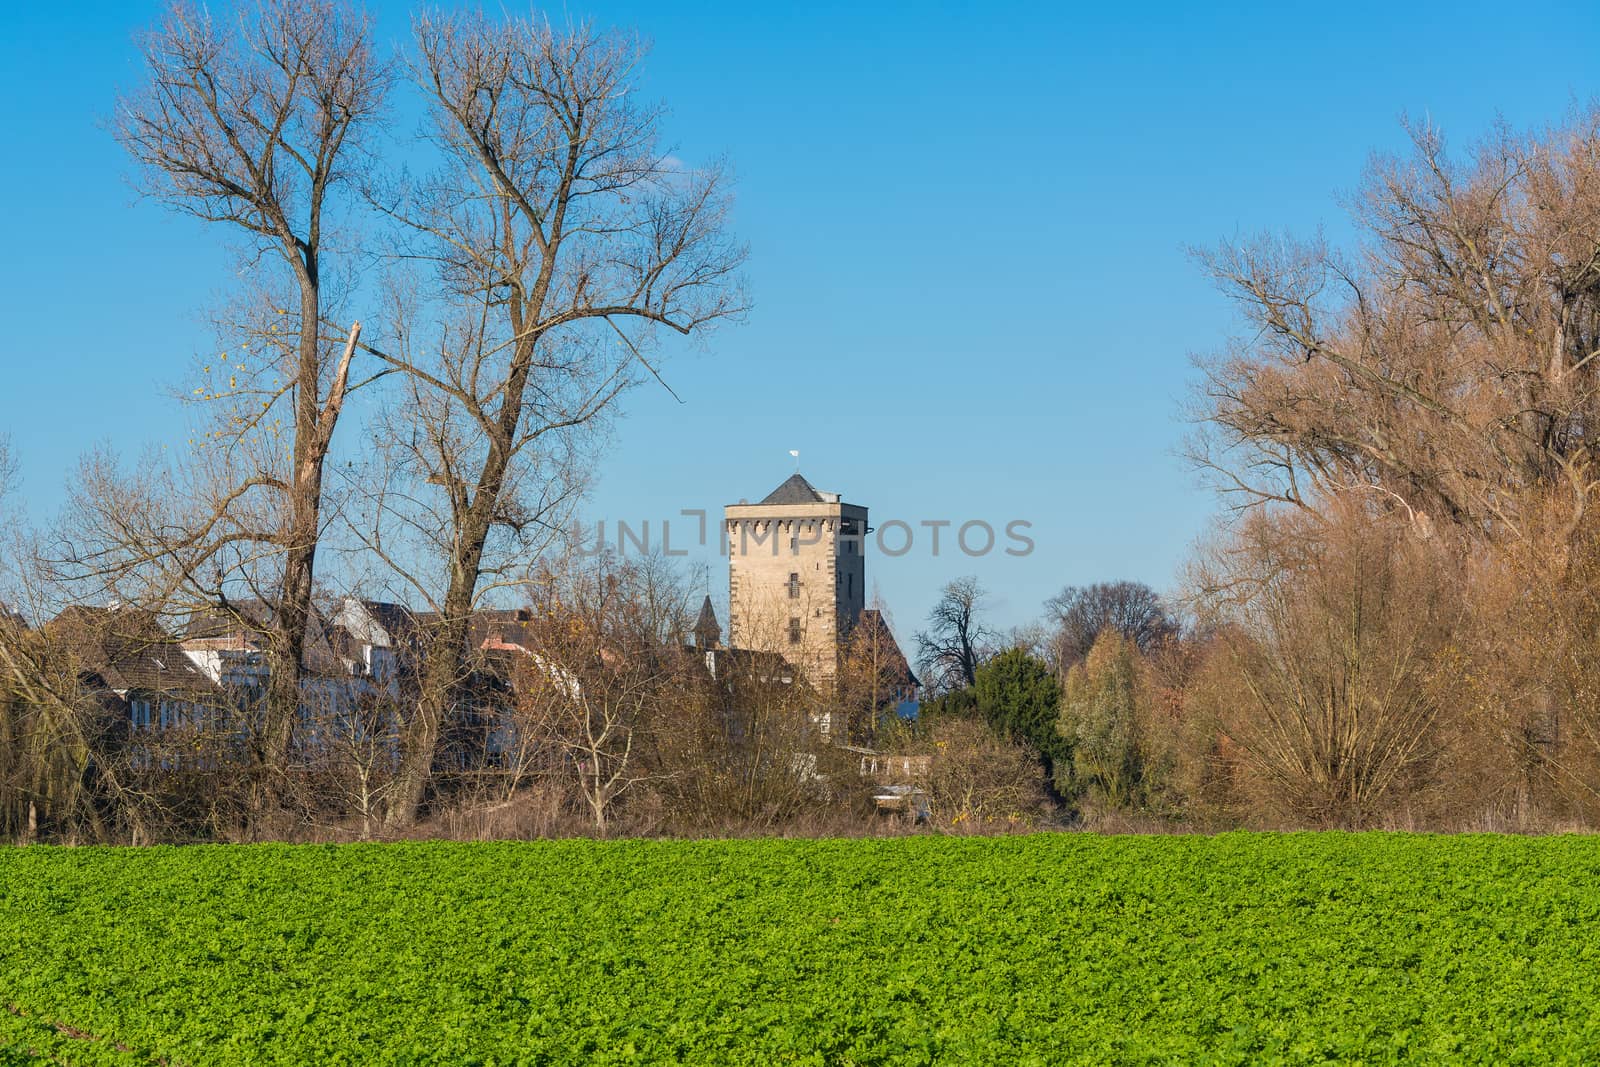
[[794, 585], [794, 631], [850, 585]]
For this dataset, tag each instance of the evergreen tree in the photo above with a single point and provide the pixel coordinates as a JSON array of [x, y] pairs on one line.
[[1019, 696]]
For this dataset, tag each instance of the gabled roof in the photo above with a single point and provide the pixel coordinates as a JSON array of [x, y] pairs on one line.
[[873, 628], [373, 622], [796, 490], [127, 649], [397, 627], [249, 623]]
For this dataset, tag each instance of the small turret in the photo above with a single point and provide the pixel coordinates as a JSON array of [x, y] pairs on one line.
[[707, 631]]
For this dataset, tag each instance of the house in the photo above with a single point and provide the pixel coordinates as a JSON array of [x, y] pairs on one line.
[[383, 640], [138, 671], [385, 644], [378, 640], [231, 644]]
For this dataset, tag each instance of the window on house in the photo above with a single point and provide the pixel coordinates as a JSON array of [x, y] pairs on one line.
[[139, 713], [794, 585], [794, 631]]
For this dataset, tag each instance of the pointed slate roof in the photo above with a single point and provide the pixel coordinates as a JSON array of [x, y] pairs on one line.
[[794, 491], [708, 615], [707, 630]]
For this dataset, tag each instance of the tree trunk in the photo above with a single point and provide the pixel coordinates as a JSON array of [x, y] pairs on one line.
[[445, 664], [292, 613], [447, 653]]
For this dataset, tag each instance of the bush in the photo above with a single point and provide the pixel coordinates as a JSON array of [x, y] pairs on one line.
[[979, 779]]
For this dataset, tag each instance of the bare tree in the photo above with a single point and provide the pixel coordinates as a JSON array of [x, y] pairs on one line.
[[956, 641], [1082, 613], [48, 726], [9, 473], [979, 780], [561, 238], [1445, 375], [1447, 371], [250, 123], [743, 748], [608, 657], [1328, 692], [361, 747], [49, 729], [585, 702], [873, 677]]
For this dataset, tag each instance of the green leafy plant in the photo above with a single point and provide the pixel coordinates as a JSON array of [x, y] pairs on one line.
[[1051, 948]]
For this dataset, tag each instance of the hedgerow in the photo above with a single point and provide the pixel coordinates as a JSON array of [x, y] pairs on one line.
[[1242, 948]]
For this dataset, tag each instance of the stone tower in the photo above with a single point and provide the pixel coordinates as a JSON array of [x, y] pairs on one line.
[[796, 575]]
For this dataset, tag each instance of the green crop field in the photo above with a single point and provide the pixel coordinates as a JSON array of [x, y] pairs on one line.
[[1047, 949]]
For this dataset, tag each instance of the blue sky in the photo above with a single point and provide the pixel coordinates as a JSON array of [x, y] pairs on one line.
[[967, 228]]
